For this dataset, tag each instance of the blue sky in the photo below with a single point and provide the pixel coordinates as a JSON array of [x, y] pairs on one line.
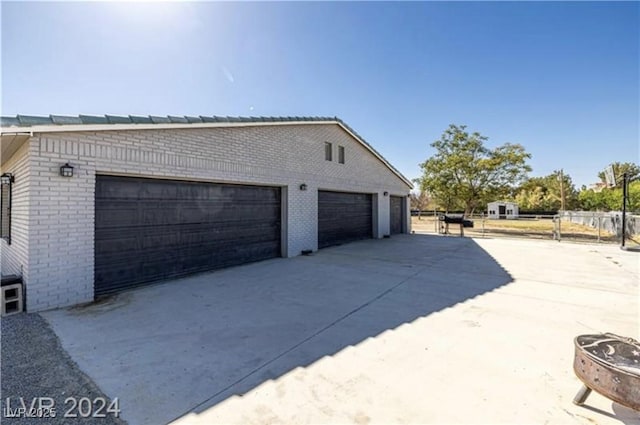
[[560, 78]]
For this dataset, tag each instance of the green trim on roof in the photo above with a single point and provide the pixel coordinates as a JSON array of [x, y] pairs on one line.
[[32, 120], [91, 119], [140, 120]]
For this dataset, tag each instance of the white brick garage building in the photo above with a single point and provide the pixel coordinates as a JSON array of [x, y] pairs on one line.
[[159, 197]]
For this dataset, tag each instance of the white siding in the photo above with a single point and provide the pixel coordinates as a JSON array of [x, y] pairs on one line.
[[511, 210]]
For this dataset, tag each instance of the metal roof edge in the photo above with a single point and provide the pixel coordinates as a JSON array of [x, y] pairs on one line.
[[228, 122], [68, 128]]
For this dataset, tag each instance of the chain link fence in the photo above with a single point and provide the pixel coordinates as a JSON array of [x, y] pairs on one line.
[[579, 226], [610, 222]]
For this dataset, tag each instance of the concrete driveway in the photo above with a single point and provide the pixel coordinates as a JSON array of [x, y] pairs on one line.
[[412, 329]]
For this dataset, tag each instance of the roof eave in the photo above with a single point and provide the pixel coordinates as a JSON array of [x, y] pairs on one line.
[[376, 154], [122, 127], [160, 126]]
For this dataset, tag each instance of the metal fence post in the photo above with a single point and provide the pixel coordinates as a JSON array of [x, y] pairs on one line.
[[624, 209], [599, 227], [559, 229], [556, 227]]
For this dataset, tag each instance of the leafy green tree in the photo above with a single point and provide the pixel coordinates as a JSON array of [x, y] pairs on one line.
[[464, 171], [590, 200], [534, 198], [634, 196], [545, 193], [632, 170], [610, 199], [419, 201], [445, 198]]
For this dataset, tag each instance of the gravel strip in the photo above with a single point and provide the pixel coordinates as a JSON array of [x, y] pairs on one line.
[[33, 365]]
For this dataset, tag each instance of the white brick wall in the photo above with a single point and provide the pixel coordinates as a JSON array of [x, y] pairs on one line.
[[14, 257], [61, 217], [61, 230]]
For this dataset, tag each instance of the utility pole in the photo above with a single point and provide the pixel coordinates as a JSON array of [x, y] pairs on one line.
[[562, 198]]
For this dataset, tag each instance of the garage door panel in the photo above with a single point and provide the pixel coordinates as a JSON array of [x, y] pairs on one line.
[[108, 191], [136, 237], [396, 214], [148, 239], [161, 237], [141, 237], [157, 214], [343, 217], [116, 214], [121, 260], [107, 244], [194, 260], [118, 273], [230, 233], [160, 240], [196, 213], [113, 189], [191, 192], [160, 190]]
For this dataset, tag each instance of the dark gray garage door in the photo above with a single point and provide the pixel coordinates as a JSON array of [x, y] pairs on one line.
[[396, 214], [148, 229], [343, 217]]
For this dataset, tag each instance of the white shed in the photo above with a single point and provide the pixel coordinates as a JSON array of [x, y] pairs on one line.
[[502, 210]]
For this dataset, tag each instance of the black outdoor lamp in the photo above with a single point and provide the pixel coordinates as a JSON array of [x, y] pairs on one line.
[[303, 186], [386, 193], [6, 178], [66, 170]]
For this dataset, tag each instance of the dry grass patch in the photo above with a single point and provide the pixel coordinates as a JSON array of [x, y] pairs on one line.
[[539, 228]]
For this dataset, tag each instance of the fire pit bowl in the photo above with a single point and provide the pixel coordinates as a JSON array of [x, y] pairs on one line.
[[610, 365]]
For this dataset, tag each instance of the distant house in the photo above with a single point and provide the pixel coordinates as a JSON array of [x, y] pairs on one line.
[[502, 210], [597, 187]]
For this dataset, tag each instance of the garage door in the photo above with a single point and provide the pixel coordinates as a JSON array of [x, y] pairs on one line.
[[396, 214], [148, 229], [343, 217]]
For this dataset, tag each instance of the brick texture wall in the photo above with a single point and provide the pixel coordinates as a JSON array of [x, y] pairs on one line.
[[59, 238], [14, 257]]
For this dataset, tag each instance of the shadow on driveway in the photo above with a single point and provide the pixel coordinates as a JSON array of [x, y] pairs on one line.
[[184, 346]]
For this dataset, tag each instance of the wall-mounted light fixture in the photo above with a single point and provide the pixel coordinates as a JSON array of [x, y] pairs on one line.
[[7, 178], [386, 193], [303, 186], [66, 170]]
